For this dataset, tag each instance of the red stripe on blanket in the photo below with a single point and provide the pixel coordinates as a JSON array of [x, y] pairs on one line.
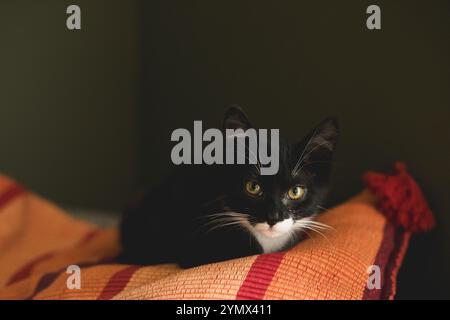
[[88, 237], [389, 258], [48, 278], [117, 283], [25, 271], [394, 266], [381, 259], [10, 193], [259, 276]]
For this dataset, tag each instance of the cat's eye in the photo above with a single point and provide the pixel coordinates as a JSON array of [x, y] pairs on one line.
[[296, 193], [253, 188]]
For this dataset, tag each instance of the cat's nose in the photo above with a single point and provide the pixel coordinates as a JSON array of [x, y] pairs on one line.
[[272, 222], [273, 218]]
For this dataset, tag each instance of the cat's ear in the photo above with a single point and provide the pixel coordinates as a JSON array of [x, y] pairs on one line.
[[235, 118], [319, 145]]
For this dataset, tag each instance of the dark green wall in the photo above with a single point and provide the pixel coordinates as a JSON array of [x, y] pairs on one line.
[[86, 116], [290, 64], [68, 100]]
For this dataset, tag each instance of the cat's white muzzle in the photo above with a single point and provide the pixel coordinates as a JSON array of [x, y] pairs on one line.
[[277, 230]]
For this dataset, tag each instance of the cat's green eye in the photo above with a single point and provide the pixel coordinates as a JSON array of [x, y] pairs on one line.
[[296, 193], [253, 188]]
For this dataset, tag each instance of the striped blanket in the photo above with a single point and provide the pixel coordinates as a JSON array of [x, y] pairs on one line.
[[39, 241]]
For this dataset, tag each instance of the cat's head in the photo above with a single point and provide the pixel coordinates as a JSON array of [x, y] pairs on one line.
[[275, 207]]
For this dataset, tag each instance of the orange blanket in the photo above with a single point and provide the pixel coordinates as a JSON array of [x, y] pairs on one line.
[[38, 241]]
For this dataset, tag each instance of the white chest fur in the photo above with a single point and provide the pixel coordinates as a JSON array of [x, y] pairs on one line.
[[273, 244]]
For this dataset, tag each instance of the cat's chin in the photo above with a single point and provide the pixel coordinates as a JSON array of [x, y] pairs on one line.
[[271, 233]]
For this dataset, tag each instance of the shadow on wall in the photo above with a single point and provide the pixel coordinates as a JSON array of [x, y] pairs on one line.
[[68, 117]]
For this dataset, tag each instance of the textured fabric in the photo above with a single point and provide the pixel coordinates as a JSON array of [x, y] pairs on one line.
[[401, 199], [38, 241]]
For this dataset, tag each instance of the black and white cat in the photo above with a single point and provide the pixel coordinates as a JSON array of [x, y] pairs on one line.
[[202, 214]]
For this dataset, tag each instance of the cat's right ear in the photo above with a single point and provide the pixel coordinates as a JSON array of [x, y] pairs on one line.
[[320, 144], [235, 118]]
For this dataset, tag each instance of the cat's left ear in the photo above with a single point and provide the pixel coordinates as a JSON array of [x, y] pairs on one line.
[[235, 118], [320, 144]]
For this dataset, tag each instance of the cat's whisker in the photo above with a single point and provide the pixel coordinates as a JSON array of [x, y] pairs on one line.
[[315, 226], [225, 213], [315, 230], [258, 166], [309, 152], [226, 224], [293, 237], [323, 208], [222, 215], [320, 225], [300, 159], [217, 222], [221, 197], [258, 170], [225, 216], [319, 232], [309, 236], [224, 219]]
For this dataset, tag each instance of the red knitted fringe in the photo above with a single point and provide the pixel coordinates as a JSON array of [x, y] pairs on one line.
[[401, 199]]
